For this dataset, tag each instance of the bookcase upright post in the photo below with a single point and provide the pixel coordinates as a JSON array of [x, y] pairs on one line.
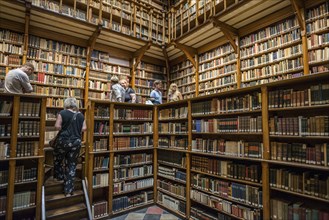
[[155, 151], [111, 159], [266, 154], [12, 163], [41, 159], [188, 159]]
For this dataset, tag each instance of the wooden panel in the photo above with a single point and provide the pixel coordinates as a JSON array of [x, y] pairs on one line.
[[209, 39], [219, 41], [261, 14], [198, 33]]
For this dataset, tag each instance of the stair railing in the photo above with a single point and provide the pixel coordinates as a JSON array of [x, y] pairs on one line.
[[43, 204], [84, 186]]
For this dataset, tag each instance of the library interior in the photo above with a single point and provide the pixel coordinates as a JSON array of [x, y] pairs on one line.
[[248, 139]]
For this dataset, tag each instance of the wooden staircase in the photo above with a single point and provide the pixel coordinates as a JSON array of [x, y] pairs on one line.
[[60, 207]]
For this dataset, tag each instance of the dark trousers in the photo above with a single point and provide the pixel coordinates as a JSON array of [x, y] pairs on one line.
[[66, 171]]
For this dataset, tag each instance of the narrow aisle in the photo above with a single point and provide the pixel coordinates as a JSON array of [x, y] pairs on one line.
[[150, 213]]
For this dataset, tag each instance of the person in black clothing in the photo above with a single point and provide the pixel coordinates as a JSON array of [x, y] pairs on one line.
[[70, 123], [130, 95]]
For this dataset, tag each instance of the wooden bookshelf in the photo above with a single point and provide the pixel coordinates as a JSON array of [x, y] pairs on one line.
[[22, 156]]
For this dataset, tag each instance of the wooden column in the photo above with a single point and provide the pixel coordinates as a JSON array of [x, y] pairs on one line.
[[89, 148], [41, 160], [188, 160], [155, 151], [12, 162], [266, 154], [111, 147], [28, 5]]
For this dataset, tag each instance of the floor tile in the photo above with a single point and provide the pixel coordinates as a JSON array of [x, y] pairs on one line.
[[152, 217], [168, 217], [154, 210], [135, 216]]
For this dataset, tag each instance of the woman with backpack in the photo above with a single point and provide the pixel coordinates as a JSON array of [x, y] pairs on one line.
[[70, 123]]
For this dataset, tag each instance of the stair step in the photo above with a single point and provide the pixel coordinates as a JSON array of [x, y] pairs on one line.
[[55, 201], [77, 211], [56, 187]]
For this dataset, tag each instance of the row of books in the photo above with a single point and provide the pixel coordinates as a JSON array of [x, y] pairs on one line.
[[55, 57], [299, 126], [5, 108], [314, 154], [172, 203], [231, 148], [145, 128], [126, 202], [315, 95], [177, 189], [132, 142], [123, 173], [132, 114], [242, 193], [99, 209], [10, 60], [58, 80], [312, 184], [59, 102], [225, 206], [38, 42], [28, 128], [173, 142], [177, 159], [58, 91], [29, 109], [101, 162], [100, 180], [132, 159], [283, 209], [120, 187], [27, 148], [240, 124], [100, 145], [228, 169], [10, 48], [11, 36], [173, 113], [57, 69], [173, 128], [171, 173]]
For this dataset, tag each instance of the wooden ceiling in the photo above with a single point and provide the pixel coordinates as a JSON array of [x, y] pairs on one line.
[[247, 16]]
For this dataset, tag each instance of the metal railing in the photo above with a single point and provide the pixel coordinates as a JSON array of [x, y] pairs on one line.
[[43, 204], [85, 192]]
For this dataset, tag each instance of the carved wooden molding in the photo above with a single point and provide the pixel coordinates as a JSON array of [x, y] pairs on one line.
[[298, 7], [138, 55], [94, 36], [190, 52], [228, 31]]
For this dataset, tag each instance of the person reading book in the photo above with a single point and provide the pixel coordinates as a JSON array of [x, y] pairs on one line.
[[17, 80]]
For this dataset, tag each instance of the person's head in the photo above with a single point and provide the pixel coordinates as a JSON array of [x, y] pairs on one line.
[[124, 83], [157, 84], [28, 68], [114, 80], [173, 87], [71, 103]]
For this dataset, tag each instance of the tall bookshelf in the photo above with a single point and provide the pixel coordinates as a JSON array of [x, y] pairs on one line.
[[124, 16], [11, 52], [145, 75], [318, 38], [102, 68], [120, 157], [171, 179], [272, 53], [253, 153], [22, 158], [217, 70], [183, 74]]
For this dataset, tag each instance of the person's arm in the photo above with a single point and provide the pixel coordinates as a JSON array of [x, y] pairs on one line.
[[133, 97], [180, 96], [117, 94], [84, 126], [25, 82], [58, 124]]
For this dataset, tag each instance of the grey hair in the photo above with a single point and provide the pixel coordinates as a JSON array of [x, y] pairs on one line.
[[71, 103]]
